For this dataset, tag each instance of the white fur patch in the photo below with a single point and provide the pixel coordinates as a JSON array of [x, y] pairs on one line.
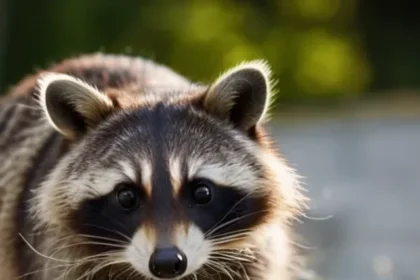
[[288, 183], [104, 181], [57, 192], [274, 242], [128, 170], [146, 175], [175, 170], [237, 174], [194, 246], [139, 251]]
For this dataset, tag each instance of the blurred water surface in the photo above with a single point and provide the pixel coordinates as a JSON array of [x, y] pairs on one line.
[[366, 174]]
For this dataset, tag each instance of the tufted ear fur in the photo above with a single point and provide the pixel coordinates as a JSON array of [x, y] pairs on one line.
[[242, 95], [71, 105]]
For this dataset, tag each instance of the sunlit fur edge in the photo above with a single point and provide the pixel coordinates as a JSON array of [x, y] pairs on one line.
[[46, 79], [262, 66]]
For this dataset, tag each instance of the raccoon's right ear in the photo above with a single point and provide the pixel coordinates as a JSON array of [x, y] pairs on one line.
[[71, 105], [242, 95]]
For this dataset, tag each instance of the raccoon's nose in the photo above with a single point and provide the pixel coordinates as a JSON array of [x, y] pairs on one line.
[[168, 262]]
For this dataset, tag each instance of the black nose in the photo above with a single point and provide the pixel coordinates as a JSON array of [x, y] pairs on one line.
[[168, 263]]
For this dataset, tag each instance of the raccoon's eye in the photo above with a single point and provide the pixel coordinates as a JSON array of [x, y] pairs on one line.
[[202, 192], [127, 197]]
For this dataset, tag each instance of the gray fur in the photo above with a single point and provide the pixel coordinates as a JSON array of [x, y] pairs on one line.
[[149, 113]]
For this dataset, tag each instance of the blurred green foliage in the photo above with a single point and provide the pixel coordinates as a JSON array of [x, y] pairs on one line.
[[317, 48]]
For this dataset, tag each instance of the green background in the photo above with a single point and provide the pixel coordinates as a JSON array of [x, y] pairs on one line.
[[321, 51]]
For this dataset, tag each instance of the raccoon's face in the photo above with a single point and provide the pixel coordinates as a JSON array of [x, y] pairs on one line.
[[168, 188]]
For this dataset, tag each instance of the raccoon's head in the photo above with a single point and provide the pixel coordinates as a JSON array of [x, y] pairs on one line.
[[169, 186]]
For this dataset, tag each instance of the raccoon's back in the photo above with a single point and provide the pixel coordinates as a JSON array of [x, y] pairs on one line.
[[25, 135]]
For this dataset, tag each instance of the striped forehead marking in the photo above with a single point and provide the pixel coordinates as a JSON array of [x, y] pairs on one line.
[[133, 174], [128, 170], [175, 169], [146, 176], [227, 173]]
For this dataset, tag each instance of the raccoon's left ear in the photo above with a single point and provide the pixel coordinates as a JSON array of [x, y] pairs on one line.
[[71, 105], [242, 95]]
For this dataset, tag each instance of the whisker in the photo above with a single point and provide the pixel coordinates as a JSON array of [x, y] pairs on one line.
[[30, 107], [109, 230], [87, 243], [40, 270], [39, 253], [233, 221], [230, 210], [89, 272], [328, 217], [234, 252], [73, 264], [205, 272], [245, 272], [102, 238], [100, 267], [227, 239], [302, 246], [101, 255], [226, 270], [230, 233], [208, 272], [122, 272], [214, 266], [231, 257], [93, 259], [133, 273]]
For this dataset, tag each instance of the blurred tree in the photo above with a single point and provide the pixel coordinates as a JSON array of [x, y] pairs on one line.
[[3, 33], [390, 30], [317, 48]]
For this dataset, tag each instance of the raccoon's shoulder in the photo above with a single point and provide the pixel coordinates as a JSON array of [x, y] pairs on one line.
[[109, 71]]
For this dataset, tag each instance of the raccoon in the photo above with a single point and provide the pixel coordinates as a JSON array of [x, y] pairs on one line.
[[117, 167]]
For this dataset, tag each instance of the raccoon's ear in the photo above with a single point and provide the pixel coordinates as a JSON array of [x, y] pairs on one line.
[[71, 105], [241, 95]]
